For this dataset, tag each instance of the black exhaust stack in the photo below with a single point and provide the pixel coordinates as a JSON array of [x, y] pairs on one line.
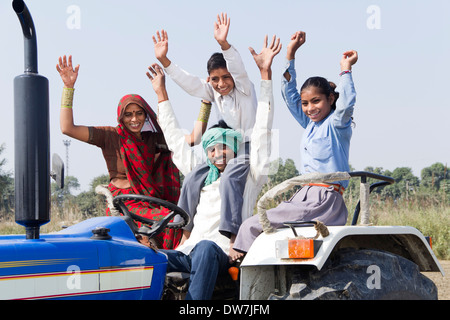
[[31, 129]]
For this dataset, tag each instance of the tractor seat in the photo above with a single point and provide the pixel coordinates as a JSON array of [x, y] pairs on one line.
[[177, 283]]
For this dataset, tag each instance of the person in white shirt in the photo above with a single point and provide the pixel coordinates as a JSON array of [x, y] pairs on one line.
[[204, 252], [233, 94]]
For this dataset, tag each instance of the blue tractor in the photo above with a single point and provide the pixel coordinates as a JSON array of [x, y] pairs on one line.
[[97, 259]]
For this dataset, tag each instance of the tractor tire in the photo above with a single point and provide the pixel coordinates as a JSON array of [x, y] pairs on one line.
[[351, 274]]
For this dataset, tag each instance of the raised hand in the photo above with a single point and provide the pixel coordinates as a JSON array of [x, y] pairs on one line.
[[161, 42], [265, 57], [158, 79], [349, 58], [297, 40], [68, 74], [221, 28]]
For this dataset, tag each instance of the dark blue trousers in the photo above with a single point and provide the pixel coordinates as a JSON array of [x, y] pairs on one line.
[[205, 262]]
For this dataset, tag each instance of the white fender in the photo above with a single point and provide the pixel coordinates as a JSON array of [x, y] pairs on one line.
[[262, 272], [387, 238]]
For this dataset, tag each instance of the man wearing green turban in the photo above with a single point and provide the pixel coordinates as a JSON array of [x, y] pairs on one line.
[[205, 252], [220, 145]]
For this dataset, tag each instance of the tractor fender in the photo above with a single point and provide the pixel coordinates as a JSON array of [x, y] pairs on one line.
[[404, 241]]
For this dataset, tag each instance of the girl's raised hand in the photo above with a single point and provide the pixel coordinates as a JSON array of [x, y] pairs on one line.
[[349, 58], [297, 40], [68, 74]]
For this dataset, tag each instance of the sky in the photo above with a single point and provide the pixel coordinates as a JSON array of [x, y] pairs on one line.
[[402, 113]]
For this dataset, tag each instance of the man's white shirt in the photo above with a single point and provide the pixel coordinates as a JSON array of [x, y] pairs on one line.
[[207, 218]]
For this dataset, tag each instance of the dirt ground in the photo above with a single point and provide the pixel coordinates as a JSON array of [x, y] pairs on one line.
[[443, 283]]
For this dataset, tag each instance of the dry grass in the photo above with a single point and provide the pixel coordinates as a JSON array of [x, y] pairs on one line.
[[58, 220], [428, 216]]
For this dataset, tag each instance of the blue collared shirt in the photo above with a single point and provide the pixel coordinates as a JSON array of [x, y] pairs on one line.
[[325, 145]]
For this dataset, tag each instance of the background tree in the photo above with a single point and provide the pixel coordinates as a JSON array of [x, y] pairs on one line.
[[6, 186], [63, 196], [405, 183], [282, 171], [91, 203], [434, 176]]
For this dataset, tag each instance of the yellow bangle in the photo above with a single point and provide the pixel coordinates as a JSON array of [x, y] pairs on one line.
[[205, 111], [67, 98]]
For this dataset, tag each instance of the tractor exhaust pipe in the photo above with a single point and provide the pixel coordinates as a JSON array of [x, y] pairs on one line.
[[29, 33], [31, 130]]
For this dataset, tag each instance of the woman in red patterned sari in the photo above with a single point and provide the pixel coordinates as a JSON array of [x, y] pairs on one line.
[[135, 152]]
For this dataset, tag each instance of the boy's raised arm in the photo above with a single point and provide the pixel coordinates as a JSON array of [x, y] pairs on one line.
[[161, 43], [221, 28], [234, 61], [193, 85]]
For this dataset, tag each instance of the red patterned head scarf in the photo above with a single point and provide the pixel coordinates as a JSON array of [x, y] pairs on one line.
[[149, 176]]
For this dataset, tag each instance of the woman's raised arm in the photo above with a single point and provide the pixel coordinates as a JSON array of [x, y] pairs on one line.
[[69, 76]]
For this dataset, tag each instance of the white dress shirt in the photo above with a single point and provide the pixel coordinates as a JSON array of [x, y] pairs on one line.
[[238, 108], [207, 219]]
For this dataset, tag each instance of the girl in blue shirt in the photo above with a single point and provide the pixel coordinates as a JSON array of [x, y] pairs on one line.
[[326, 114]]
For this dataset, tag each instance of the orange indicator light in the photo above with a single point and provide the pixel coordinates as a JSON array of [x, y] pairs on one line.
[[301, 248]]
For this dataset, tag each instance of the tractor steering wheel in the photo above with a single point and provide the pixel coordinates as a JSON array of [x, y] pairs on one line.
[[156, 227]]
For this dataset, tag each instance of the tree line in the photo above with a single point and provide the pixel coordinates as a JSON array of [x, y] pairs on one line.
[[434, 181]]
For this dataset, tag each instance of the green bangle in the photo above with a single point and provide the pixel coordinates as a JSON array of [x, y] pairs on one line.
[[205, 111], [67, 97]]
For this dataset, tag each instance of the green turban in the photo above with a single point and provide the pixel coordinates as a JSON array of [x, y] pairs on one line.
[[229, 137]]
